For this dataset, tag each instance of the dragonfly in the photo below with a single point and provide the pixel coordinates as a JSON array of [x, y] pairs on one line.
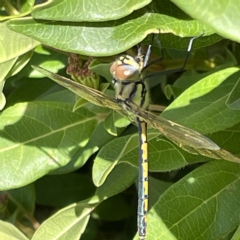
[[132, 100]]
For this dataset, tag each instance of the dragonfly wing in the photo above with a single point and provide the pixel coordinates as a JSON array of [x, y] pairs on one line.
[[92, 95], [177, 133]]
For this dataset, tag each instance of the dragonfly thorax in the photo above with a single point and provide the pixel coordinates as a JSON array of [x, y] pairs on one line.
[[127, 80]]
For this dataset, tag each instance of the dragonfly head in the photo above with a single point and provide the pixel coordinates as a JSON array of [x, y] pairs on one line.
[[127, 68]]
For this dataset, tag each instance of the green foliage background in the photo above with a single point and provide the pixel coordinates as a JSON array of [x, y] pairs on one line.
[[71, 174]]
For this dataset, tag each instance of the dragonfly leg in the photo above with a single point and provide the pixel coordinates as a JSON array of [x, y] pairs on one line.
[[176, 69], [147, 55]]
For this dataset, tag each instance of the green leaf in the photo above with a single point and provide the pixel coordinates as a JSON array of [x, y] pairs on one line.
[[10, 232], [86, 11], [116, 151], [202, 106], [233, 100], [5, 68], [109, 124], [101, 69], [120, 178], [120, 121], [42, 57], [2, 97], [228, 139], [222, 16], [11, 68], [108, 38], [195, 206], [21, 63], [13, 44], [236, 235], [40, 137], [68, 223], [92, 146], [30, 90]]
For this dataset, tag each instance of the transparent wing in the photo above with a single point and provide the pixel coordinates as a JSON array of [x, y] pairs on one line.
[[92, 95], [175, 132]]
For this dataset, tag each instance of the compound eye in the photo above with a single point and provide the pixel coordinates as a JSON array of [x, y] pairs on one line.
[[124, 72]]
